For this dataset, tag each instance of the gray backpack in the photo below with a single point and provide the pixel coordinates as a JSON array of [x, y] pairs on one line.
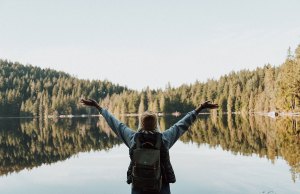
[[146, 171]]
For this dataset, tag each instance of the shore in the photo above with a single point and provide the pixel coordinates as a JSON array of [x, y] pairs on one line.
[[272, 114]]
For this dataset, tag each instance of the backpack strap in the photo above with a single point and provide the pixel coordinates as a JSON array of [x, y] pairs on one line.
[[137, 140], [158, 141]]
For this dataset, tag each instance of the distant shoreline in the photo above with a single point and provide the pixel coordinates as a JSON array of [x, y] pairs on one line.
[[175, 114]]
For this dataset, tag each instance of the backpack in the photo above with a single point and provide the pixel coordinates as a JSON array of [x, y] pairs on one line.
[[146, 171]]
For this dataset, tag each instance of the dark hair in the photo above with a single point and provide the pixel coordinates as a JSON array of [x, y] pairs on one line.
[[149, 121]]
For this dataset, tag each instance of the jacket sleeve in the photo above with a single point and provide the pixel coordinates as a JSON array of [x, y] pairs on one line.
[[119, 128], [172, 134]]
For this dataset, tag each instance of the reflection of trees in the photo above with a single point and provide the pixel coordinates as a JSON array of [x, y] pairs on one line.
[[253, 135], [30, 144], [289, 134], [26, 144]]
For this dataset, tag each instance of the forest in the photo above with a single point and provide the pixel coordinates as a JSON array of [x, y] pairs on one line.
[[31, 91]]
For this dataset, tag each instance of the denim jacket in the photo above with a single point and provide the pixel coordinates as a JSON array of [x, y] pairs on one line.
[[169, 136]]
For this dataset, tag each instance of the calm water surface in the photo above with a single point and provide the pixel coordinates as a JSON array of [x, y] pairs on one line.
[[220, 154]]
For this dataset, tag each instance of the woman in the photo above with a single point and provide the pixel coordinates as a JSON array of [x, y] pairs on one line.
[[148, 137]]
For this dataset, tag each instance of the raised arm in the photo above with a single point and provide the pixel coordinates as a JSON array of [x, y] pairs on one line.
[[119, 128], [173, 133]]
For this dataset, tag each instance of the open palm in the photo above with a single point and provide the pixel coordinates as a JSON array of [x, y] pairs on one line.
[[206, 105], [90, 102]]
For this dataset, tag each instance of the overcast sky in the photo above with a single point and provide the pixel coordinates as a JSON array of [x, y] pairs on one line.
[[141, 43]]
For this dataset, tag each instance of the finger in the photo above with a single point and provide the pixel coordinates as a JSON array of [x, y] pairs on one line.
[[213, 105], [84, 103], [91, 100]]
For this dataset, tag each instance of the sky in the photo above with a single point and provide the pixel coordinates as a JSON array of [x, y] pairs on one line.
[[140, 43]]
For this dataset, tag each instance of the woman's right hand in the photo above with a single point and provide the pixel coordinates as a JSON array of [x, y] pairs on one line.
[[90, 102]]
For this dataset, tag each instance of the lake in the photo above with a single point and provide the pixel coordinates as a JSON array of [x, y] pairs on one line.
[[219, 154]]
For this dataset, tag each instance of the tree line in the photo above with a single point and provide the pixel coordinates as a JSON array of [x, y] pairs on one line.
[[32, 91]]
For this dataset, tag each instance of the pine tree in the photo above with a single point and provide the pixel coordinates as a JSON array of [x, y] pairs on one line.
[[251, 103], [141, 105], [162, 103], [155, 106]]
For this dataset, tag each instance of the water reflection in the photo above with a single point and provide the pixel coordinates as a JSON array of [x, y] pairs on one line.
[[31, 143], [27, 144]]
